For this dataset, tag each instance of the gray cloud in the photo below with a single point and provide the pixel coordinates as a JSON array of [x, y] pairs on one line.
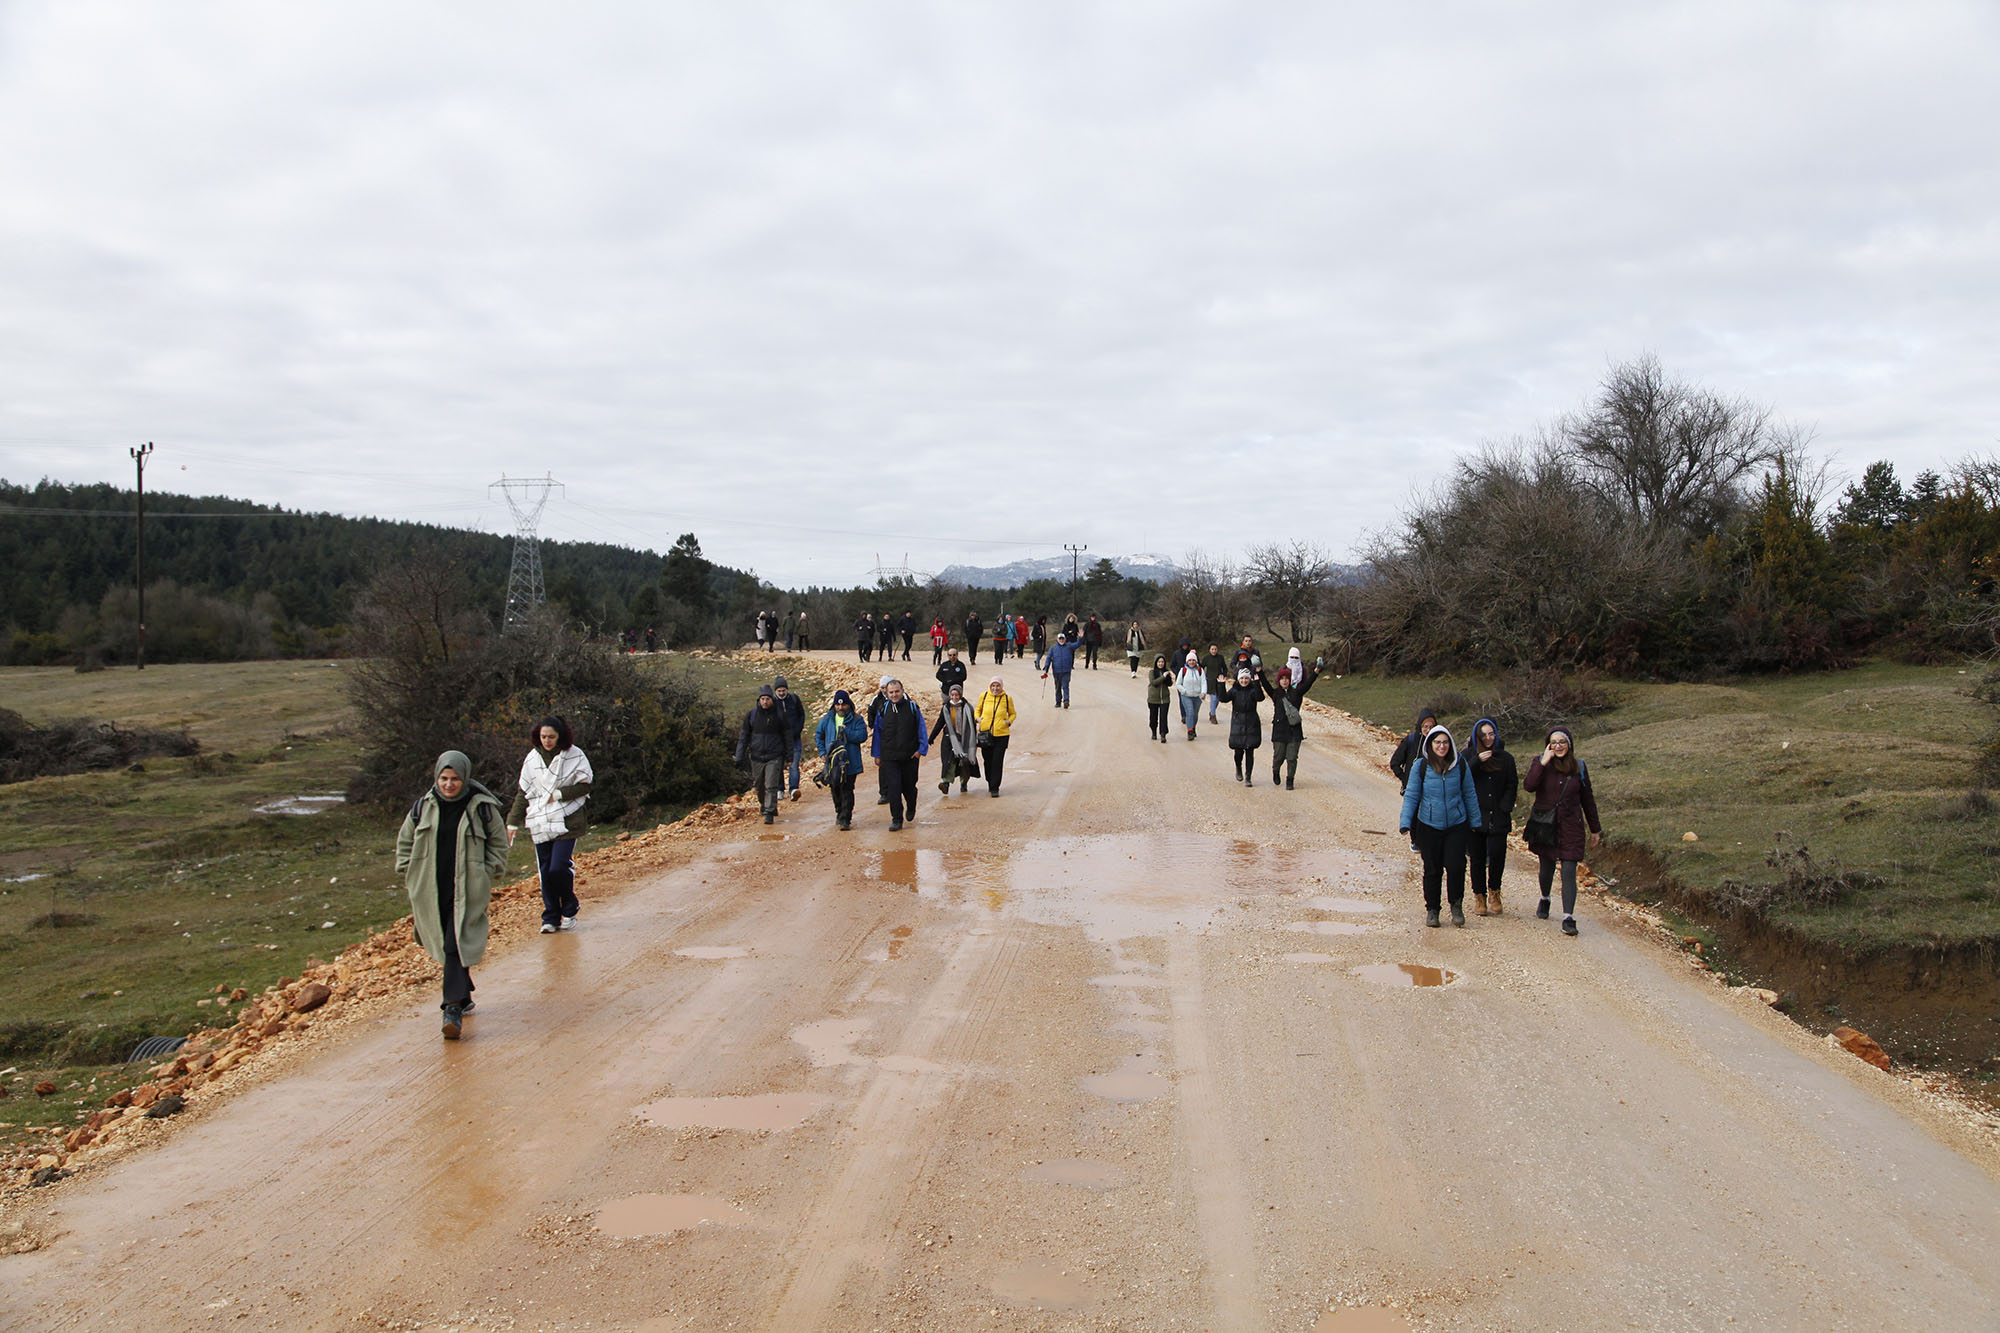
[[1147, 276]]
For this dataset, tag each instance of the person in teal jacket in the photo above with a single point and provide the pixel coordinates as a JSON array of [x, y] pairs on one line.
[[1440, 812], [841, 730]]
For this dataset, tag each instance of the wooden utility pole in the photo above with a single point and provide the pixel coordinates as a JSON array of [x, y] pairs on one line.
[[139, 572], [1074, 552]]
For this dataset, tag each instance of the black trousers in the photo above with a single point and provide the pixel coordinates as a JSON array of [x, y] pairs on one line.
[[899, 784], [863, 647], [994, 755], [805, 642], [1443, 850], [1548, 876], [1156, 719], [973, 648], [457, 977], [1486, 854], [1090, 655], [907, 639], [843, 797]]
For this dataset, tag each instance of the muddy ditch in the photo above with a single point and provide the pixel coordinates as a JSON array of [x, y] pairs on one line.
[[1930, 1006]]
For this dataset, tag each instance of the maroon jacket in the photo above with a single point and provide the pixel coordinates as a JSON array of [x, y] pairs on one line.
[[1574, 803]]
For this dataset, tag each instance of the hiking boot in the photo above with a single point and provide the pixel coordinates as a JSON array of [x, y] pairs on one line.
[[1431, 917], [1458, 914], [881, 800], [945, 787], [1190, 733], [469, 1005], [1288, 784], [1495, 896], [1569, 925], [1542, 910], [895, 826], [770, 818], [453, 1021], [549, 927], [1479, 905]]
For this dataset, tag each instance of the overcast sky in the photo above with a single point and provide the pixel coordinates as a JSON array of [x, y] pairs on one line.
[[822, 282]]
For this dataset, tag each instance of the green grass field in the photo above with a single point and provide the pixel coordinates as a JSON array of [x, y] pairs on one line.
[[129, 896], [1868, 767]]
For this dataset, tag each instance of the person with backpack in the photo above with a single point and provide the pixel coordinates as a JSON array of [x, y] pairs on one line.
[[762, 742], [1093, 639], [452, 846], [553, 789], [1493, 776], [1062, 660], [1440, 814], [839, 738], [1246, 725], [1564, 807], [1411, 746], [959, 726], [794, 710], [1191, 685], [975, 630], [899, 744], [940, 636], [1159, 696], [1135, 643], [1003, 634], [994, 714], [1288, 723]]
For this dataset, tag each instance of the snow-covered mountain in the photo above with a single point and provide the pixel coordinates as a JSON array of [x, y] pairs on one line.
[[1157, 568]]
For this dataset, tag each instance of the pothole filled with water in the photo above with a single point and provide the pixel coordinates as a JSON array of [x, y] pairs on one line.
[[1042, 1284], [1405, 974], [664, 1214], [759, 1113]]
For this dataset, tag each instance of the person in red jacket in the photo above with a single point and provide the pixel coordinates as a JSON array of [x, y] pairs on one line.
[[940, 636]]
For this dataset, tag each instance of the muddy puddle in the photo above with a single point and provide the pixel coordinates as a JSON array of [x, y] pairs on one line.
[[1079, 1172], [664, 1214], [1405, 974], [1362, 1319], [1127, 1085], [1329, 927], [710, 951], [927, 872], [830, 1041], [769, 1112], [300, 805], [1041, 1284], [897, 939], [771, 837]]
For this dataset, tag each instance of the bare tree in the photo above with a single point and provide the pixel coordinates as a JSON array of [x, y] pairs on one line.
[[1668, 451], [1204, 603], [1288, 580]]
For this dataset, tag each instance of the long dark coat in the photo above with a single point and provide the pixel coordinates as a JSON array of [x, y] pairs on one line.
[[1246, 725], [1575, 805]]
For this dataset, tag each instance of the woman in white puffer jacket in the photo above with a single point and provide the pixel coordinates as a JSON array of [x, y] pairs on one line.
[[554, 789]]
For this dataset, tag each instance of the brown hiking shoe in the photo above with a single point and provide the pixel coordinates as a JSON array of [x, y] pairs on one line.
[[1479, 905]]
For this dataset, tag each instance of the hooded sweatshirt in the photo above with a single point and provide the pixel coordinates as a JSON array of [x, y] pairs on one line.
[[1441, 800], [1408, 748]]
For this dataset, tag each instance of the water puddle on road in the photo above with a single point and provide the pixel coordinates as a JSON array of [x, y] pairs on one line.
[[1078, 1171], [1130, 1086], [1329, 927], [925, 871], [830, 1041], [897, 939], [1041, 1284], [1362, 1319], [1405, 974], [774, 837], [712, 951], [760, 1113], [1360, 905], [664, 1214]]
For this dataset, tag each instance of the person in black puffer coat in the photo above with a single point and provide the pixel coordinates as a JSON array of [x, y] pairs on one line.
[[1288, 723], [1494, 777], [1412, 745], [762, 742], [1246, 725]]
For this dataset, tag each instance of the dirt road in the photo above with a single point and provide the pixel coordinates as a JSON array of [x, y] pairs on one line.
[[1095, 1054]]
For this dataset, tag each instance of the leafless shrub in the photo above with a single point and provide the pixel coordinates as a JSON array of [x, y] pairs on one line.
[[1205, 604], [1288, 580]]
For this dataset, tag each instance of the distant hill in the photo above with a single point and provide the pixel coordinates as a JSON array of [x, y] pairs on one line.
[[1153, 568]]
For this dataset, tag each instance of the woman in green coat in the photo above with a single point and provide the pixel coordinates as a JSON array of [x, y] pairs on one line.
[[464, 817]]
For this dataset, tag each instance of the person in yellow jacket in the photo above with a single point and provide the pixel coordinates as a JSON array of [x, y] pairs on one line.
[[995, 716]]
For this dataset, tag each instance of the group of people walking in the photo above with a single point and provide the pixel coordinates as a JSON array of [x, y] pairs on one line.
[[972, 736], [1458, 809]]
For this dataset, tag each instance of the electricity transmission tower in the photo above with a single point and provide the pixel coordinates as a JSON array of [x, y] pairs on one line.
[[526, 497]]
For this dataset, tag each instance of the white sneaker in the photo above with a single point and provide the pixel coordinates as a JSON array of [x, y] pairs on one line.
[[569, 923], [548, 929]]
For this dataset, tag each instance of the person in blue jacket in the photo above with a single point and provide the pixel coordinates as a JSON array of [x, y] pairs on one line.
[[1440, 813], [1062, 660], [843, 730]]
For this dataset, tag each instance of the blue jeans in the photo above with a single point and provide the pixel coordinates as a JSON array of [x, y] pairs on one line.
[[1212, 701], [552, 859], [792, 771], [1190, 710], [1062, 688]]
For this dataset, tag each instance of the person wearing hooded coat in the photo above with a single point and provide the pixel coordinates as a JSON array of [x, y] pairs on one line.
[[1246, 724], [864, 636], [1288, 723], [1039, 638], [1494, 777], [900, 741], [842, 731], [1159, 698], [553, 789], [1411, 745], [960, 729], [452, 846], [1440, 813], [762, 742], [1191, 684], [1561, 782]]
